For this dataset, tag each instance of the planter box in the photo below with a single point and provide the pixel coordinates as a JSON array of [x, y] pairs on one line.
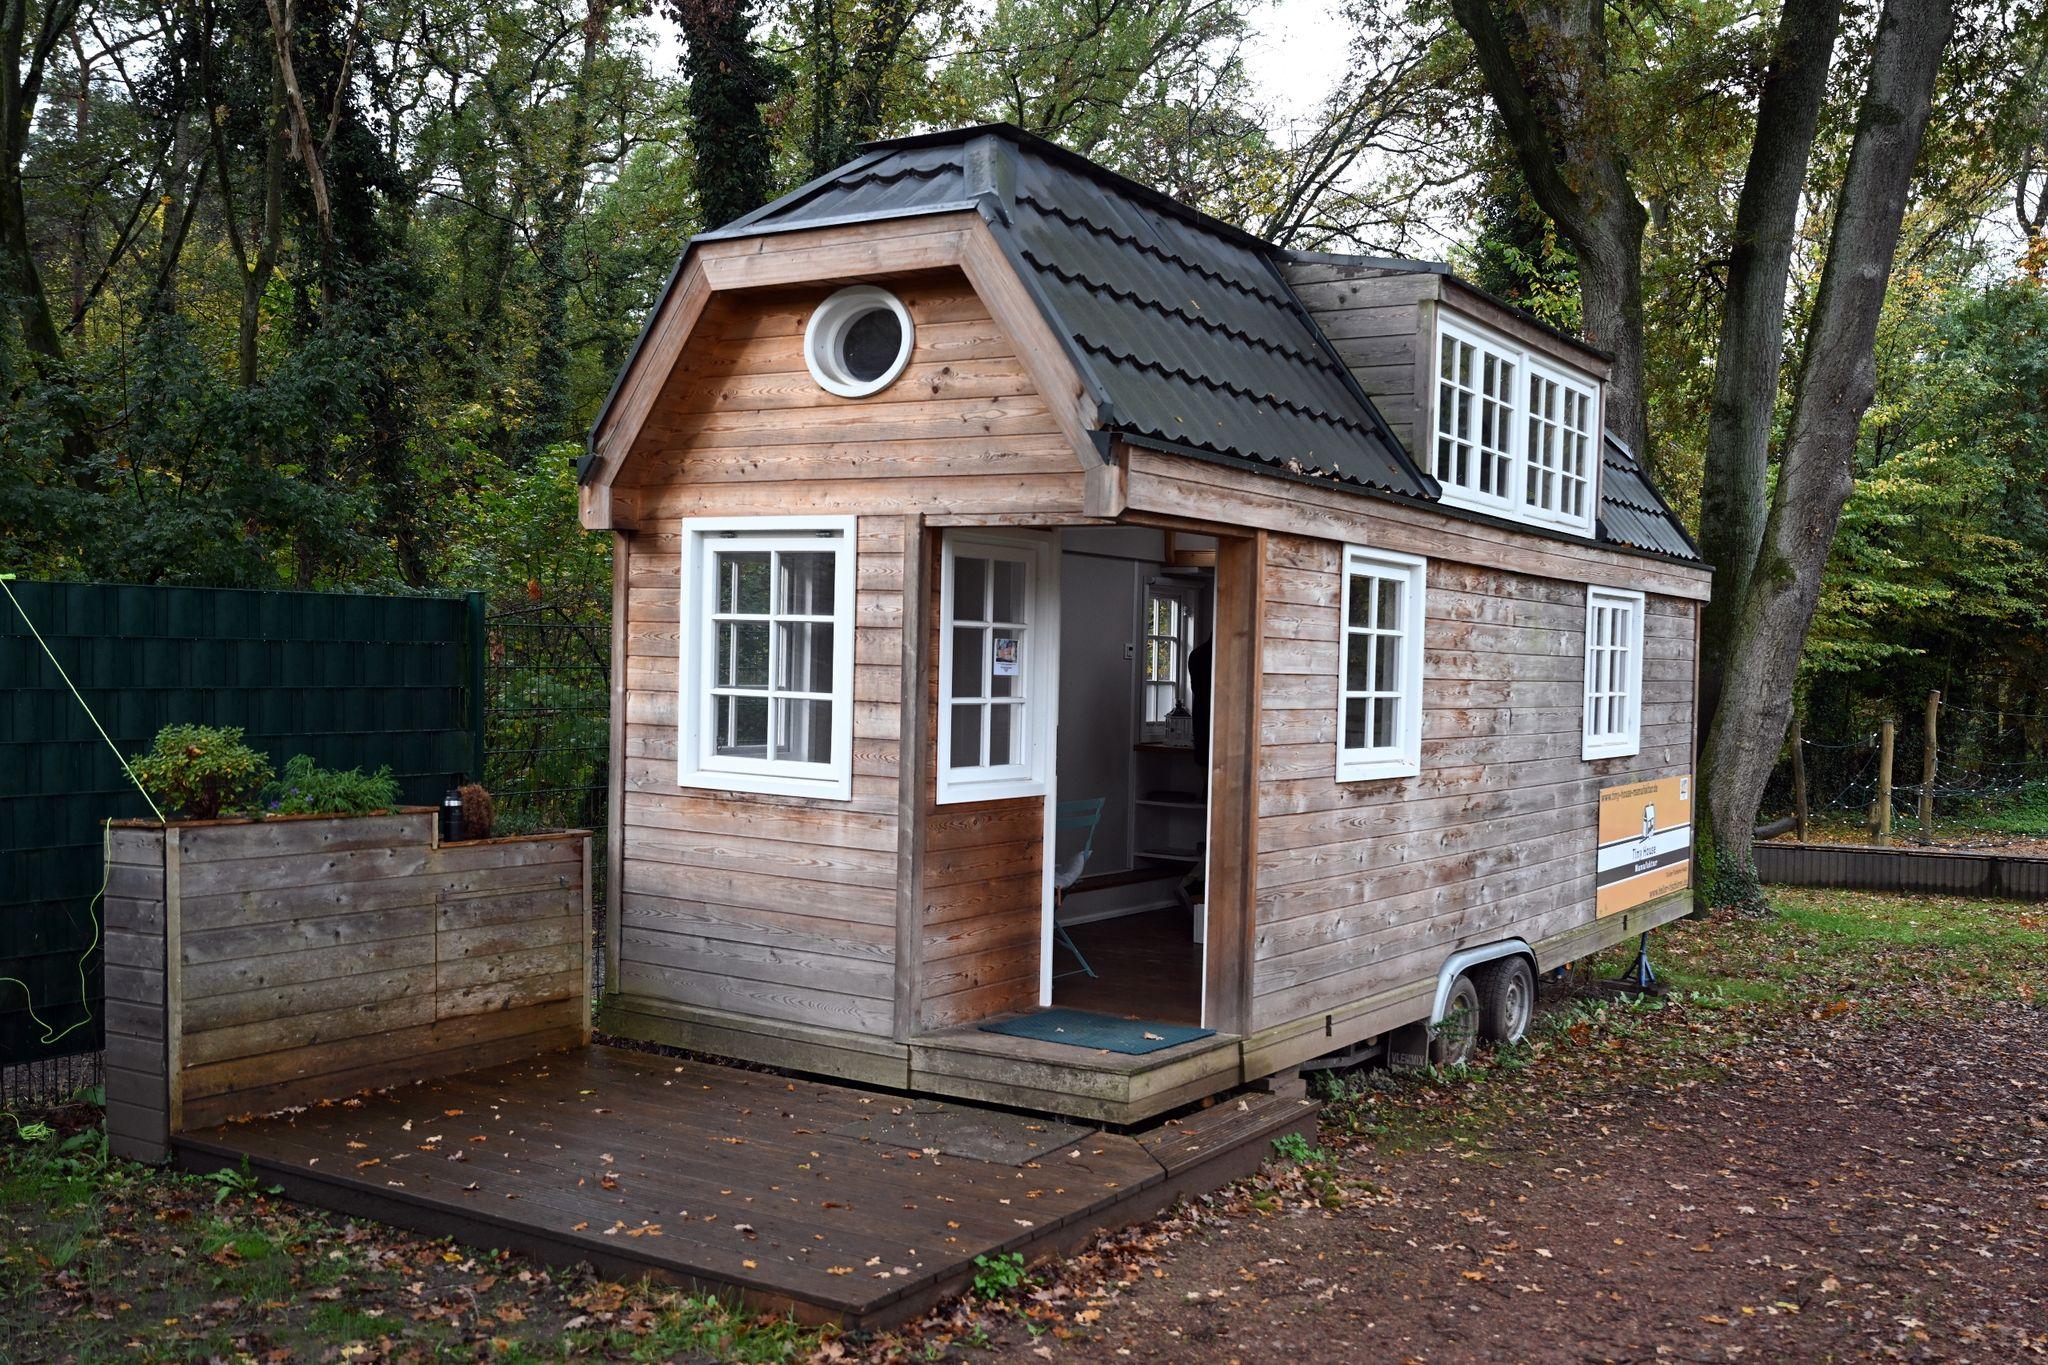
[[254, 965]]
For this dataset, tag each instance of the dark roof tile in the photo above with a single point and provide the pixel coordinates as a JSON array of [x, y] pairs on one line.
[[1182, 327]]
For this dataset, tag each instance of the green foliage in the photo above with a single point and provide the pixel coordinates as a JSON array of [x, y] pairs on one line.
[[306, 788], [998, 1277], [229, 1181], [1293, 1148], [196, 772]]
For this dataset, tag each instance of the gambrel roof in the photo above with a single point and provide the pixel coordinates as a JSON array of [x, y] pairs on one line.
[[1183, 331]]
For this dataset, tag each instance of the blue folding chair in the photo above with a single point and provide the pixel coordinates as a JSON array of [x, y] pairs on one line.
[[1084, 816]]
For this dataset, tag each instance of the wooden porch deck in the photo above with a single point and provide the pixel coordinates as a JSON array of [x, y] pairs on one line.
[[833, 1203]]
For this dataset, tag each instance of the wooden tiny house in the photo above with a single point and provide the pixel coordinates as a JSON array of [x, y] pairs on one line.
[[972, 489]]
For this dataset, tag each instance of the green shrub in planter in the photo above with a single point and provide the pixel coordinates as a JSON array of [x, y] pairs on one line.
[[306, 788], [197, 771]]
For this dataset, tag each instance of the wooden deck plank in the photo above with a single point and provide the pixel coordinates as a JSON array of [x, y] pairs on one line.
[[753, 1191]]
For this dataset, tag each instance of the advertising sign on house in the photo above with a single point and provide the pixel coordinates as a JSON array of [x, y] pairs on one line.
[[1645, 843]]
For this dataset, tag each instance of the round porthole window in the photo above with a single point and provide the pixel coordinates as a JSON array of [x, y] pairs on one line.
[[858, 341]]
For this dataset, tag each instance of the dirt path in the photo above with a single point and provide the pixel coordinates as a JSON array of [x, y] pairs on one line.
[[1857, 1193]]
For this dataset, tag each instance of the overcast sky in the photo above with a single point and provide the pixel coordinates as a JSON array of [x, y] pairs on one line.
[[1298, 56]]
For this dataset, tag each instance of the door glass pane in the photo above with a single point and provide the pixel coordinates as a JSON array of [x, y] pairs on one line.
[[1354, 722], [743, 581], [1006, 663], [740, 726], [806, 662], [1358, 662], [1003, 736], [1009, 590], [803, 731], [1386, 669], [743, 654], [970, 588], [967, 661], [1360, 608], [806, 584], [1389, 617], [966, 737]]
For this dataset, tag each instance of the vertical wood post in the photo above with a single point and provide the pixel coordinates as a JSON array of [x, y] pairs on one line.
[[1883, 813], [1232, 890], [1801, 815], [1929, 737], [913, 763]]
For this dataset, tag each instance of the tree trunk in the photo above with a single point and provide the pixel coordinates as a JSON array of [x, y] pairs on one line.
[[550, 419], [1545, 65], [1836, 383], [1734, 487], [729, 82]]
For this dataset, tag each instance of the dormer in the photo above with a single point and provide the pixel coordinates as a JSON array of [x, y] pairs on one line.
[[1505, 412]]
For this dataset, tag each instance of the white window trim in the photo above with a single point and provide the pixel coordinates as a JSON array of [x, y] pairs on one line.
[[1516, 507], [1403, 758], [1041, 646], [696, 765], [1629, 741]]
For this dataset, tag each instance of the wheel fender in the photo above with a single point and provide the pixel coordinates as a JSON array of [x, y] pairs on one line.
[[1464, 960]]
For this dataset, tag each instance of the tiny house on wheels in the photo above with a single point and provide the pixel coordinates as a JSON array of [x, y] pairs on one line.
[[1074, 654]]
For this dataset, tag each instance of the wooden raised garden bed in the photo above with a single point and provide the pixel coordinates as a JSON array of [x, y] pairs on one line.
[[256, 964]]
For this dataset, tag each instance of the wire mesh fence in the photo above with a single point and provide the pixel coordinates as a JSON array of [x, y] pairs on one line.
[[49, 1082], [547, 709], [1989, 779]]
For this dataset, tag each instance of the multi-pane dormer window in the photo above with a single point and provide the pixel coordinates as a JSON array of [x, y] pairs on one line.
[[1514, 432]]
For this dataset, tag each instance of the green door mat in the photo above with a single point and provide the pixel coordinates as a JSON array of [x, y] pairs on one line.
[[1084, 1029]]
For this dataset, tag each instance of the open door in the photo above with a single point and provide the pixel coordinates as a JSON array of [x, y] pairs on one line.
[[1131, 829]]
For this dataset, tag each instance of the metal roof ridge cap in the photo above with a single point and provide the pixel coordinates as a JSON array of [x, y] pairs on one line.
[[736, 234], [1405, 264], [795, 196]]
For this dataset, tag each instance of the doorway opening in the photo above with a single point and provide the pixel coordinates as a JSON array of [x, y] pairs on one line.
[[1130, 829]]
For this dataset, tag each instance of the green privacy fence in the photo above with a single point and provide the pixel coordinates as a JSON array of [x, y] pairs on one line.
[[355, 681]]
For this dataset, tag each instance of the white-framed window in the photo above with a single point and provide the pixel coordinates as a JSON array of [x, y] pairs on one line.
[[997, 625], [858, 341], [1379, 691], [1169, 625], [1614, 673], [765, 655], [1514, 432], [1559, 450], [1475, 428]]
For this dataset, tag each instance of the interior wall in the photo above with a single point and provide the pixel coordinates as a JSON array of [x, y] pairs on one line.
[[1103, 574]]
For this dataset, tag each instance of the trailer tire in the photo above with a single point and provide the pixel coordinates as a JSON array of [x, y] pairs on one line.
[[1455, 1038], [1507, 1000]]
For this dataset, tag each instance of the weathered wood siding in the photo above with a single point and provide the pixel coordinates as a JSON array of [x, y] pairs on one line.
[[1373, 320], [785, 908], [138, 1019], [310, 958], [1363, 885]]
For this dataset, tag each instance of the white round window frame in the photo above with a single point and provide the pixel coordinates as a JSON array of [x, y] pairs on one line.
[[826, 332]]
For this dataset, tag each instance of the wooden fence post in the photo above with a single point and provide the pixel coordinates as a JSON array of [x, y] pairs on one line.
[[1927, 765], [1800, 813], [1882, 815]]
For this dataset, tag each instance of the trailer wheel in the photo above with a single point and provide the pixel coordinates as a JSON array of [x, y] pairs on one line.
[[1507, 1000], [1456, 1036]]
